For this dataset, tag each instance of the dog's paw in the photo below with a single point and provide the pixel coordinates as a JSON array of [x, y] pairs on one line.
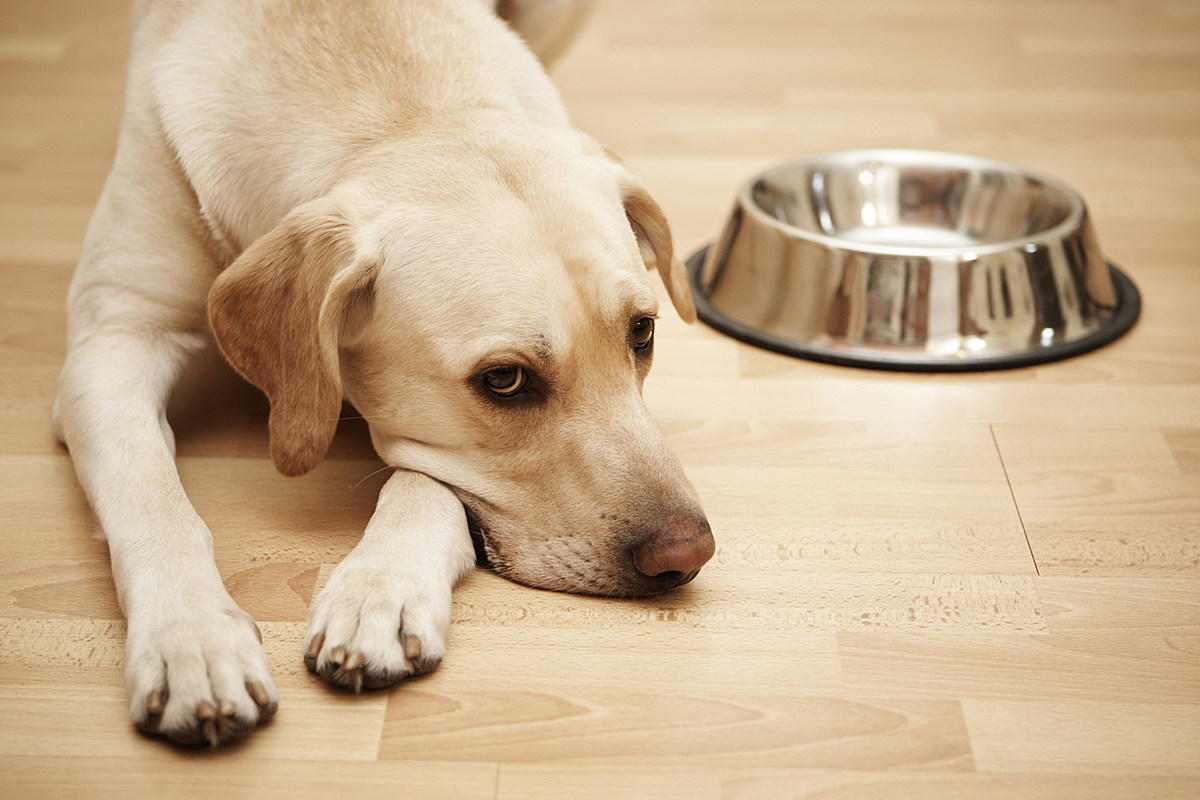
[[371, 628], [199, 676]]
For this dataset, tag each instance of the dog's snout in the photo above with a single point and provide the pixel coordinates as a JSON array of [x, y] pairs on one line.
[[678, 548]]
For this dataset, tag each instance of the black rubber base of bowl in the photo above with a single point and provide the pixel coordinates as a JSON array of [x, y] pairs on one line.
[[1129, 306]]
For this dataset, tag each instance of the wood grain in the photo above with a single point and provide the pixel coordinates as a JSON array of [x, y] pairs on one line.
[[925, 586], [570, 724]]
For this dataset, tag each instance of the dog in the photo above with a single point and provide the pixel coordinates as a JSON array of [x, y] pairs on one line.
[[381, 202]]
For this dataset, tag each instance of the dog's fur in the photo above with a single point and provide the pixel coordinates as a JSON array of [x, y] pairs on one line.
[[380, 201]]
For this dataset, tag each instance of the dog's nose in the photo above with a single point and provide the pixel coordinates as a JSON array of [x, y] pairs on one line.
[[682, 546]]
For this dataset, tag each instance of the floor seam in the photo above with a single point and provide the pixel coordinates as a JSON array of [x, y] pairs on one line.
[[1013, 495]]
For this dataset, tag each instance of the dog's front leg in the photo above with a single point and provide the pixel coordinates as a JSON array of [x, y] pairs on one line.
[[384, 612], [194, 661]]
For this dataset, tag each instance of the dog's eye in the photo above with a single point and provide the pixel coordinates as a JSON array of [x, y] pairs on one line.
[[643, 333], [505, 381]]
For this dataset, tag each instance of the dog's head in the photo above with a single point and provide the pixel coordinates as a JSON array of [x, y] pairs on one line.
[[493, 322]]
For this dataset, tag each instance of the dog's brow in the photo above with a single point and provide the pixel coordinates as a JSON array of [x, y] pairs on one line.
[[543, 348], [535, 351], [640, 306], [639, 300]]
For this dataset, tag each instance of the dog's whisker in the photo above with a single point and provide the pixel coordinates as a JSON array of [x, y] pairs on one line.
[[368, 477], [346, 418]]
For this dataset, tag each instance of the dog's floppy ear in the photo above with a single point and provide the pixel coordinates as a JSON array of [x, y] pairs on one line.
[[653, 234], [279, 313]]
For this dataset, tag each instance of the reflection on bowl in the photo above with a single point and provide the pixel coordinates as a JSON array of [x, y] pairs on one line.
[[912, 260]]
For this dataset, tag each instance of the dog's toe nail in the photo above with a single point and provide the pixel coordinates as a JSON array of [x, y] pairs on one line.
[[354, 661], [338, 655], [154, 702], [212, 733], [314, 647], [258, 693], [227, 709], [412, 647], [205, 710]]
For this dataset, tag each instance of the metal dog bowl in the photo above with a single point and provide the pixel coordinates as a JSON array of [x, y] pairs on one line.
[[912, 260]]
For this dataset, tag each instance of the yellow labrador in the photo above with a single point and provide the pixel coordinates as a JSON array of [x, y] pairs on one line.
[[380, 201]]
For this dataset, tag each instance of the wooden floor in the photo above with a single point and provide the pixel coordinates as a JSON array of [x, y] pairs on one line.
[[959, 586]]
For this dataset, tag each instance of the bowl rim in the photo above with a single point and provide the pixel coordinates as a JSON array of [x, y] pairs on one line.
[[933, 158]]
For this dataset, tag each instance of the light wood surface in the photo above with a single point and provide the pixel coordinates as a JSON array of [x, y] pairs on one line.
[[959, 586]]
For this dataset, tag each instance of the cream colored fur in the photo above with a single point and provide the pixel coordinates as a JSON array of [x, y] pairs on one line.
[[382, 202]]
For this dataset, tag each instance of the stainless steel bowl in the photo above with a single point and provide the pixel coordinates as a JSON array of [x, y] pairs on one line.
[[912, 260]]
